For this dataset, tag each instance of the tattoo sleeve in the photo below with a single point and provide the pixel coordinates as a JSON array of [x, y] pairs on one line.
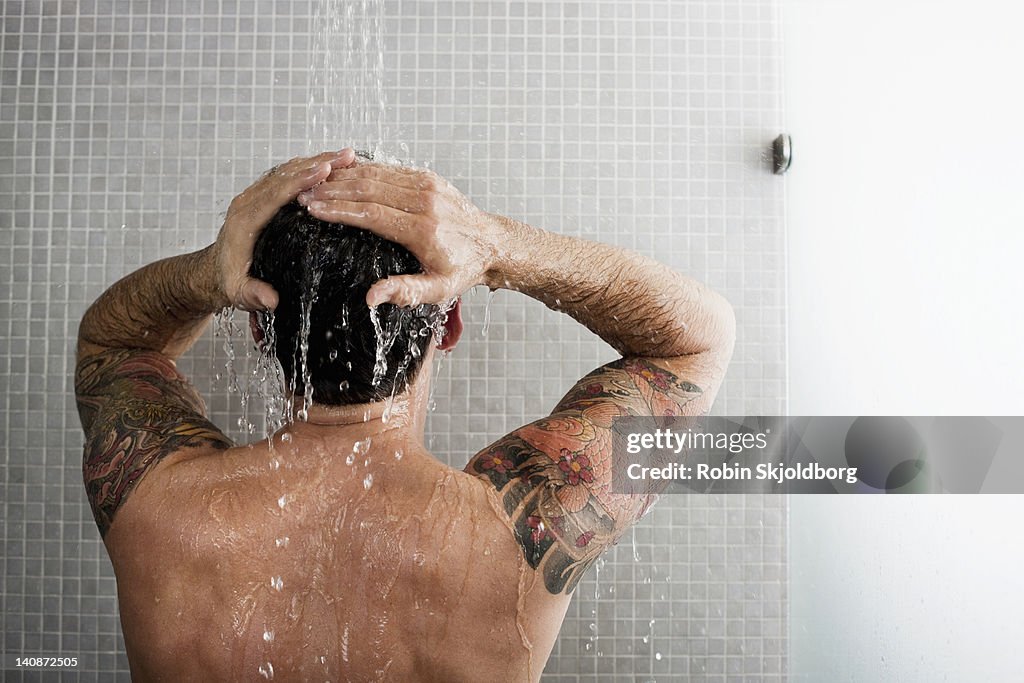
[[554, 475], [135, 408]]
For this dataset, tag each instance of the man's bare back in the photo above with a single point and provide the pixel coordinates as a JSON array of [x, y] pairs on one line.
[[316, 569], [343, 550]]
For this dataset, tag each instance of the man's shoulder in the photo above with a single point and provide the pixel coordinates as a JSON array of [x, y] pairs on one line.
[[137, 410]]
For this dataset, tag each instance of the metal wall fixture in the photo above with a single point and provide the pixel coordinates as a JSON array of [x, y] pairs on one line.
[[782, 154]]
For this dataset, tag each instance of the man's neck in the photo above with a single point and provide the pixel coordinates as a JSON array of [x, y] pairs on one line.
[[401, 416], [336, 416]]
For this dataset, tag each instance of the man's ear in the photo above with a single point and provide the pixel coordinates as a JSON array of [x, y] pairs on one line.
[[452, 327], [254, 327]]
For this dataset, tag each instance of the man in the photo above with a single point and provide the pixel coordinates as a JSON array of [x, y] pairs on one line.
[[340, 549]]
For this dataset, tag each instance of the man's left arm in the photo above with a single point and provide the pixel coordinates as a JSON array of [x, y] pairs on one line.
[[135, 407]]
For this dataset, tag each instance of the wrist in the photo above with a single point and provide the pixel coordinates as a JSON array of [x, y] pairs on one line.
[[208, 283], [507, 243]]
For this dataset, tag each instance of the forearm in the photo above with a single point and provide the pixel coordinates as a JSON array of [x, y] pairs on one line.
[[162, 307], [637, 305]]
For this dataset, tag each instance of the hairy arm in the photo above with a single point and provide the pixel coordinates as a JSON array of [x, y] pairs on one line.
[[162, 307], [135, 407], [554, 475], [641, 307]]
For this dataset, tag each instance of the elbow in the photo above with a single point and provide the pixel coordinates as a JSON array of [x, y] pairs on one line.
[[711, 331], [727, 327]]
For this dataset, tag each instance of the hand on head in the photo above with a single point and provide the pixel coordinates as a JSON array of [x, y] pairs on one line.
[[250, 212], [454, 241]]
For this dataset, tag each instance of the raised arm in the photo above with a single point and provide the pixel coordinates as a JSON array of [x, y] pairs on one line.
[[135, 407], [675, 336]]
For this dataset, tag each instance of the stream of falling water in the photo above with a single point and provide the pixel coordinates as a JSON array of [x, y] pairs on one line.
[[346, 97], [260, 376]]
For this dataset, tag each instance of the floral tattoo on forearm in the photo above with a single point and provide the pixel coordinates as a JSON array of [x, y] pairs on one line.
[[554, 475], [136, 409]]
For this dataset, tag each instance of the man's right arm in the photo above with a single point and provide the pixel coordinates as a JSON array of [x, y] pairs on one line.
[[676, 336], [639, 306]]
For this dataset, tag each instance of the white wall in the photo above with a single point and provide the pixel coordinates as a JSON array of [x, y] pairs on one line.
[[906, 206], [905, 588], [906, 225]]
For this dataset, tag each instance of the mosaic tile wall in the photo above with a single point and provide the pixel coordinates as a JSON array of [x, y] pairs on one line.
[[127, 126]]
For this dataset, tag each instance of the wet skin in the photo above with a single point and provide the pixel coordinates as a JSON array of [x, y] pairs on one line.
[[414, 578], [343, 548]]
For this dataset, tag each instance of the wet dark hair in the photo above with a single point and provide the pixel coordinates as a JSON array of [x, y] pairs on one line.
[[325, 270]]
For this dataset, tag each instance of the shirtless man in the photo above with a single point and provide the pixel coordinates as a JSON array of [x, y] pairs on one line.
[[341, 549]]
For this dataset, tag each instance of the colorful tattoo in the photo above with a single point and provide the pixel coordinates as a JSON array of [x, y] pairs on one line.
[[136, 408], [554, 475]]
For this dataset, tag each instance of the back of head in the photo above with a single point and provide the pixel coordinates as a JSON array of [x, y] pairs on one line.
[[323, 331]]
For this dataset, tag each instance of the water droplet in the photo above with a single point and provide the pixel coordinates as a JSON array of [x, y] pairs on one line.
[[275, 464], [333, 355], [282, 542], [268, 636], [282, 501], [286, 437], [267, 670], [276, 583], [368, 482], [398, 455], [657, 655], [487, 312]]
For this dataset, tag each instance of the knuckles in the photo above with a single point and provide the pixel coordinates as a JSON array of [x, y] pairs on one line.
[[427, 201], [372, 212], [428, 182], [361, 186], [427, 225]]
